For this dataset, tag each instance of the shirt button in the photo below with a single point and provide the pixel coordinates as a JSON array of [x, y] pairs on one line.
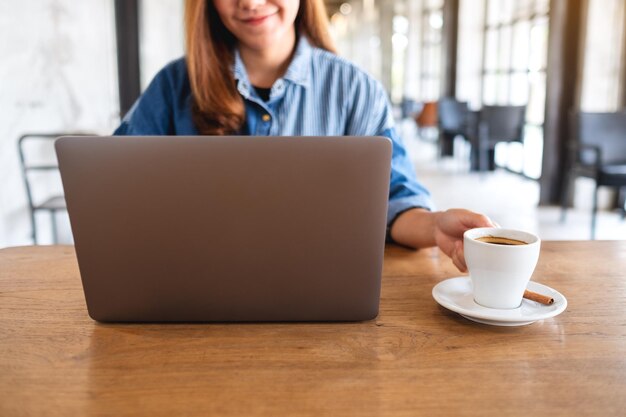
[[266, 118]]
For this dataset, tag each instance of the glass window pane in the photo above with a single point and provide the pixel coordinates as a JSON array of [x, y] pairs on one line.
[[542, 7], [430, 88], [435, 36], [519, 89], [504, 55], [501, 155], [435, 20], [514, 154], [436, 88], [515, 62], [503, 89], [489, 89], [426, 64], [431, 34], [523, 9], [520, 50], [491, 49], [537, 98], [538, 46], [470, 51], [493, 12], [533, 150], [432, 60], [434, 4], [507, 8], [602, 66]]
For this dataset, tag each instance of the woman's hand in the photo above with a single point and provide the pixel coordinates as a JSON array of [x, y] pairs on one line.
[[449, 228], [420, 228]]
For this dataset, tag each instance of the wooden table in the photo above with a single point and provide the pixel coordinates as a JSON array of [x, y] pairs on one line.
[[415, 359]]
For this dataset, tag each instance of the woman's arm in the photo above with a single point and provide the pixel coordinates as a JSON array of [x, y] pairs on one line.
[[419, 228], [161, 109], [410, 213]]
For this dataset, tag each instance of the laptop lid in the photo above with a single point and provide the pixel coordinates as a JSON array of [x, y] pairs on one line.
[[228, 228]]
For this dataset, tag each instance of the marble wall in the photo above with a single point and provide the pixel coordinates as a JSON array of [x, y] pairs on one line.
[[58, 74]]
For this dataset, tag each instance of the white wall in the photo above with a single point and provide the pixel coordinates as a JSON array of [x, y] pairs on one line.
[[57, 73], [161, 35]]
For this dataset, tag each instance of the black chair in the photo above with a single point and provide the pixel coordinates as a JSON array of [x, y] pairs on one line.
[[490, 126], [621, 201], [597, 151], [32, 170], [453, 121]]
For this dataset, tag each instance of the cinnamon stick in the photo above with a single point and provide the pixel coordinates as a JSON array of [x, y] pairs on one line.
[[540, 298]]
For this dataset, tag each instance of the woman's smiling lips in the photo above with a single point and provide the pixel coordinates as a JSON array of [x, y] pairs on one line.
[[257, 20]]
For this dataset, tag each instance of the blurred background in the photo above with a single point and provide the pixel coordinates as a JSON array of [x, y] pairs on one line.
[[459, 73]]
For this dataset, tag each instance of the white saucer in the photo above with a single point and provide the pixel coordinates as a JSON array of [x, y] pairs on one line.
[[456, 294]]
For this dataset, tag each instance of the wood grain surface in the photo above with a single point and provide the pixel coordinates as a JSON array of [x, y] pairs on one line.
[[415, 359]]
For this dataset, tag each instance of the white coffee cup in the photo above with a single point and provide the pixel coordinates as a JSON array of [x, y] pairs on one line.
[[500, 272]]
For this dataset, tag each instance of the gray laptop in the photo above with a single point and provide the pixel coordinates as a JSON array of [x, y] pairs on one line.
[[171, 229]]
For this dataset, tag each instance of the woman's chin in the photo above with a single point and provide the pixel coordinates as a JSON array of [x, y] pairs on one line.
[[263, 42]]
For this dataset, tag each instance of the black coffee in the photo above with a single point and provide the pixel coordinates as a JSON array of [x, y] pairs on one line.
[[496, 240]]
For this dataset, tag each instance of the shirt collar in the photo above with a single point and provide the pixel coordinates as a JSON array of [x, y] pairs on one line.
[[298, 71]]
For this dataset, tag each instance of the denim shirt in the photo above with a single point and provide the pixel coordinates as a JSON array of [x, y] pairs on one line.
[[320, 94]]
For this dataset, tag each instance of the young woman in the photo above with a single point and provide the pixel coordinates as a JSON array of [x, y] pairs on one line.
[[268, 67]]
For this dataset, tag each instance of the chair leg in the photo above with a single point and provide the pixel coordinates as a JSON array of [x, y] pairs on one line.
[[594, 213], [33, 223], [622, 200], [474, 157], [439, 146], [446, 144], [483, 147], [565, 196], [491, 159], [53, 219], [482, 160]]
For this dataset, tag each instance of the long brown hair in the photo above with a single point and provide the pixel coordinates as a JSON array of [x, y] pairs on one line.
[[217, 107]]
